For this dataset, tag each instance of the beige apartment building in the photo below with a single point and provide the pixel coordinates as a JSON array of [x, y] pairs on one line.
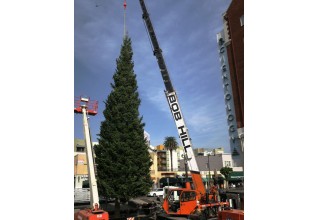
[[161, 167], [80, 163], [80, 170]]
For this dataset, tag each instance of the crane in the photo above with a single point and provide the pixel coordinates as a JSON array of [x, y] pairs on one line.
[[182, 201]]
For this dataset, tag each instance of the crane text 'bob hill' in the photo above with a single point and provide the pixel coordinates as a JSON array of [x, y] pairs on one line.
[[176, 113]]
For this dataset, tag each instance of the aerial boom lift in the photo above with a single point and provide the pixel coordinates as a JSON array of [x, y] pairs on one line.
[[86, 107], [183, 201]]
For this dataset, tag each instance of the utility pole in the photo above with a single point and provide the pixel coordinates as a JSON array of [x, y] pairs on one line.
[[209, 171], [187, 184]]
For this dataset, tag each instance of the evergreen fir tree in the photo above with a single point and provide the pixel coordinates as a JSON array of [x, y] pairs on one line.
[[122, 157]]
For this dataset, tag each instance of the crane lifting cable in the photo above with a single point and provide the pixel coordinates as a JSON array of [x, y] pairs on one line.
[[124, 18]]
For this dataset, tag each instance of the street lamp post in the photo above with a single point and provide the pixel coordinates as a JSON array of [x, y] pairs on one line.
[[185, 158], [209, 172]]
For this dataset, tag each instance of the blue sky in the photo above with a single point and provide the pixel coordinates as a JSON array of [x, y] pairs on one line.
[[186, 31]]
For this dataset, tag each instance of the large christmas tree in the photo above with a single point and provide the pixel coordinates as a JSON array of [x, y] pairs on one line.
[[122, 157]]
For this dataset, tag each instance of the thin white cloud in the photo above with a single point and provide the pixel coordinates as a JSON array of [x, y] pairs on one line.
[[157, 98]]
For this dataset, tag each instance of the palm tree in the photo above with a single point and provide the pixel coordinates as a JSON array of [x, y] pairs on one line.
[[226, 172], [170, 143]]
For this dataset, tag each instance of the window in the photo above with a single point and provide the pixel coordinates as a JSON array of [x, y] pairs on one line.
[[241, 20], [85, 184], [227, 163], [188, 196], [80, 148]]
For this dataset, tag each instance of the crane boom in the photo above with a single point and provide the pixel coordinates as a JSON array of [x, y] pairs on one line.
[[156, 49], [170, 94], [190, 201]]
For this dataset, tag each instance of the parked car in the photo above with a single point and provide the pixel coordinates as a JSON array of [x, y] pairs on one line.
[[156, 192]]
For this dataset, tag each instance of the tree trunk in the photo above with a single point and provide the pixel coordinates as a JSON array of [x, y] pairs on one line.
[[171, 159], [117, 209]]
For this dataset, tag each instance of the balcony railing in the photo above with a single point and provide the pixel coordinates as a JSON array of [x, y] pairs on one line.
[[168, 169]]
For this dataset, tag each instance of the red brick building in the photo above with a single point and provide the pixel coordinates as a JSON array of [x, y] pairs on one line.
[[234, 23], [231, 51]]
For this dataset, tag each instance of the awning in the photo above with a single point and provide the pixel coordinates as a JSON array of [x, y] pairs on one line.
[[237, 175], [220, 178]]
